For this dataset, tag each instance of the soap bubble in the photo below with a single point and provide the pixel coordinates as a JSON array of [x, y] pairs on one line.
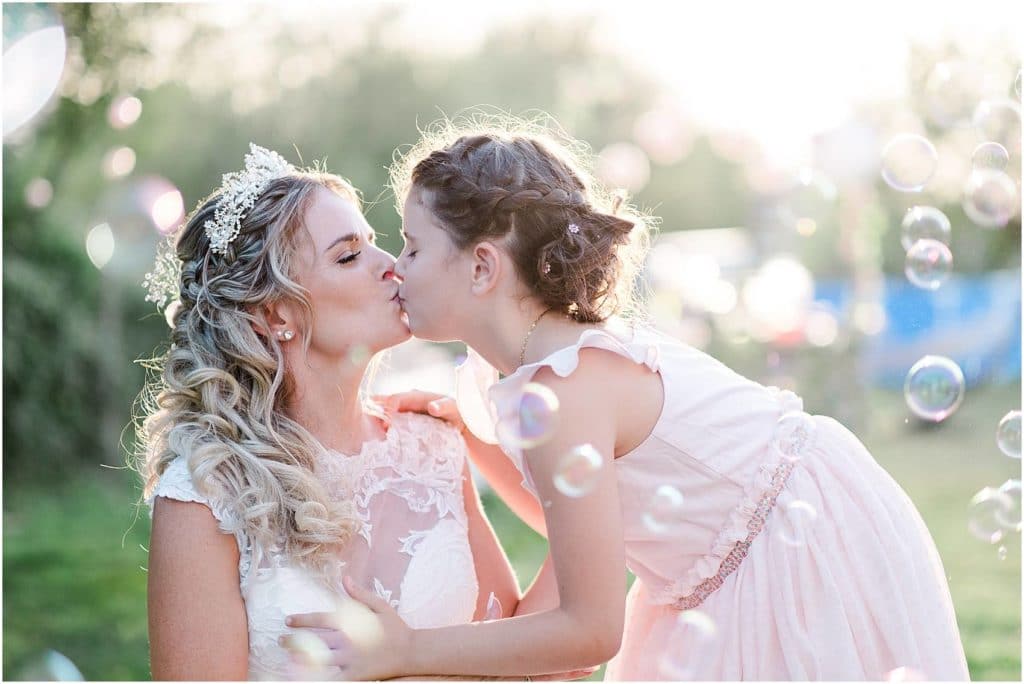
[[796, 521], [990, 198], [701, 634], [934, 388], [985, 514], [793, 431], [908, 162], [928, 264], [535, 421], [578, 471], [1008, 434], [664, 513], [1009, 516], [998, 120], [991, 156], [924, 222]]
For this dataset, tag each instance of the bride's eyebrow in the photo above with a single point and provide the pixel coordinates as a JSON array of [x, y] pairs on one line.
[[351, 237]]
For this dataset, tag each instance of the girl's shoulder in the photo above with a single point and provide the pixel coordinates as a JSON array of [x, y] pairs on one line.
[[601, 357]]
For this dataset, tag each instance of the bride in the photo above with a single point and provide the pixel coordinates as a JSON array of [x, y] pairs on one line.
[[269, 474]]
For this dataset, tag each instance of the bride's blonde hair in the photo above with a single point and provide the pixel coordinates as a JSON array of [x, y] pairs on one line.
[[217, 397]]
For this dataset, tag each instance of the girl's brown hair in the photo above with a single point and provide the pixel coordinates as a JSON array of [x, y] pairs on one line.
[[575, 245]]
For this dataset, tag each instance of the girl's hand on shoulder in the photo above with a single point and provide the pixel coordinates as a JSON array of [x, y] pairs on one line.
[[428, 403]]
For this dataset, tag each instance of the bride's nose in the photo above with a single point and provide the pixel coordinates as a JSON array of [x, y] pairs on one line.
[[391, 275]]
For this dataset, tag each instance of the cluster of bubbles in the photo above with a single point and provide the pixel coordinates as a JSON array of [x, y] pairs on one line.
[[957, 95], [995, 512], [796, 519], [579, 469], [35, 61], [934, 386]]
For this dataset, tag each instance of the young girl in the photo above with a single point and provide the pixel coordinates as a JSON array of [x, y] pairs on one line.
[[767, 543], [268, 472]]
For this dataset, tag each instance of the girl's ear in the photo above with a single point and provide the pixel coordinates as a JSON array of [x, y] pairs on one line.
[[486, 264]]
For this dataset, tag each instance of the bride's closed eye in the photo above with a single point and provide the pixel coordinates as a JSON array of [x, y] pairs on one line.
[[349, 259]]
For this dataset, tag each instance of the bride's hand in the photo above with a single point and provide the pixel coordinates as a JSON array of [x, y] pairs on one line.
[[430, 403], [365, 645]]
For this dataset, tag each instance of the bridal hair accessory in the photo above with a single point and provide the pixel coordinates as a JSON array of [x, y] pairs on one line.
[[239, 192], [162, 282]]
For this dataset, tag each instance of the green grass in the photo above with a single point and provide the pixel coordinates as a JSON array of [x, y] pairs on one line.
[[73, 577], [73, 558]]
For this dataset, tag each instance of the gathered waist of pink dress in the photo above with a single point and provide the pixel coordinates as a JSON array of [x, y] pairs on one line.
[[791, 440]]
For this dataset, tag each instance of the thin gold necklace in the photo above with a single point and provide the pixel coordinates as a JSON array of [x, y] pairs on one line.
[[522, 351]]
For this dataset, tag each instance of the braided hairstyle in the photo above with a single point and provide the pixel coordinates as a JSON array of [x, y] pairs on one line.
[[218, 396], [575, 246]]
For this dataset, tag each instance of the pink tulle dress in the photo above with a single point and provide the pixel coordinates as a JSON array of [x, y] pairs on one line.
[[791, 554]]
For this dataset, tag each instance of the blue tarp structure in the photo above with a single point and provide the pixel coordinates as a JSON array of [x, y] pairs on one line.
[[974, 320]]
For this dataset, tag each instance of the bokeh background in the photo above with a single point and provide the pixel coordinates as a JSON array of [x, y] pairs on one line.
[[767, 137]]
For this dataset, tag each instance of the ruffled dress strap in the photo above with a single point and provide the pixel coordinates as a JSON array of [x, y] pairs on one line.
[[484, 401], [176, 483]]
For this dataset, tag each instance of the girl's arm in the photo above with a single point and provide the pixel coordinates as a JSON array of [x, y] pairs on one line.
[[543, 592], [198, 628], [505, 478], [587, 552], [493, 571]]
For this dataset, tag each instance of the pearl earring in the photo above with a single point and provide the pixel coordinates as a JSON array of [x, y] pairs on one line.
[[285, 335]]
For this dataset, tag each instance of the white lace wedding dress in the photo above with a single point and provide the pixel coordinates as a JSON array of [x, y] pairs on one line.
[[413, 547]]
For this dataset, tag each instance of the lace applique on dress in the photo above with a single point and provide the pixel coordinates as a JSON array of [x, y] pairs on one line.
[[378, 588]]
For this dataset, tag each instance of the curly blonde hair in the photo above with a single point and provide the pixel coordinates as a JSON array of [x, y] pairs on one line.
[[578, 246], [217, 397]]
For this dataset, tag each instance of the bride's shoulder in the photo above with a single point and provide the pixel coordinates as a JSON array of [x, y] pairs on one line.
[[176, 483]]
